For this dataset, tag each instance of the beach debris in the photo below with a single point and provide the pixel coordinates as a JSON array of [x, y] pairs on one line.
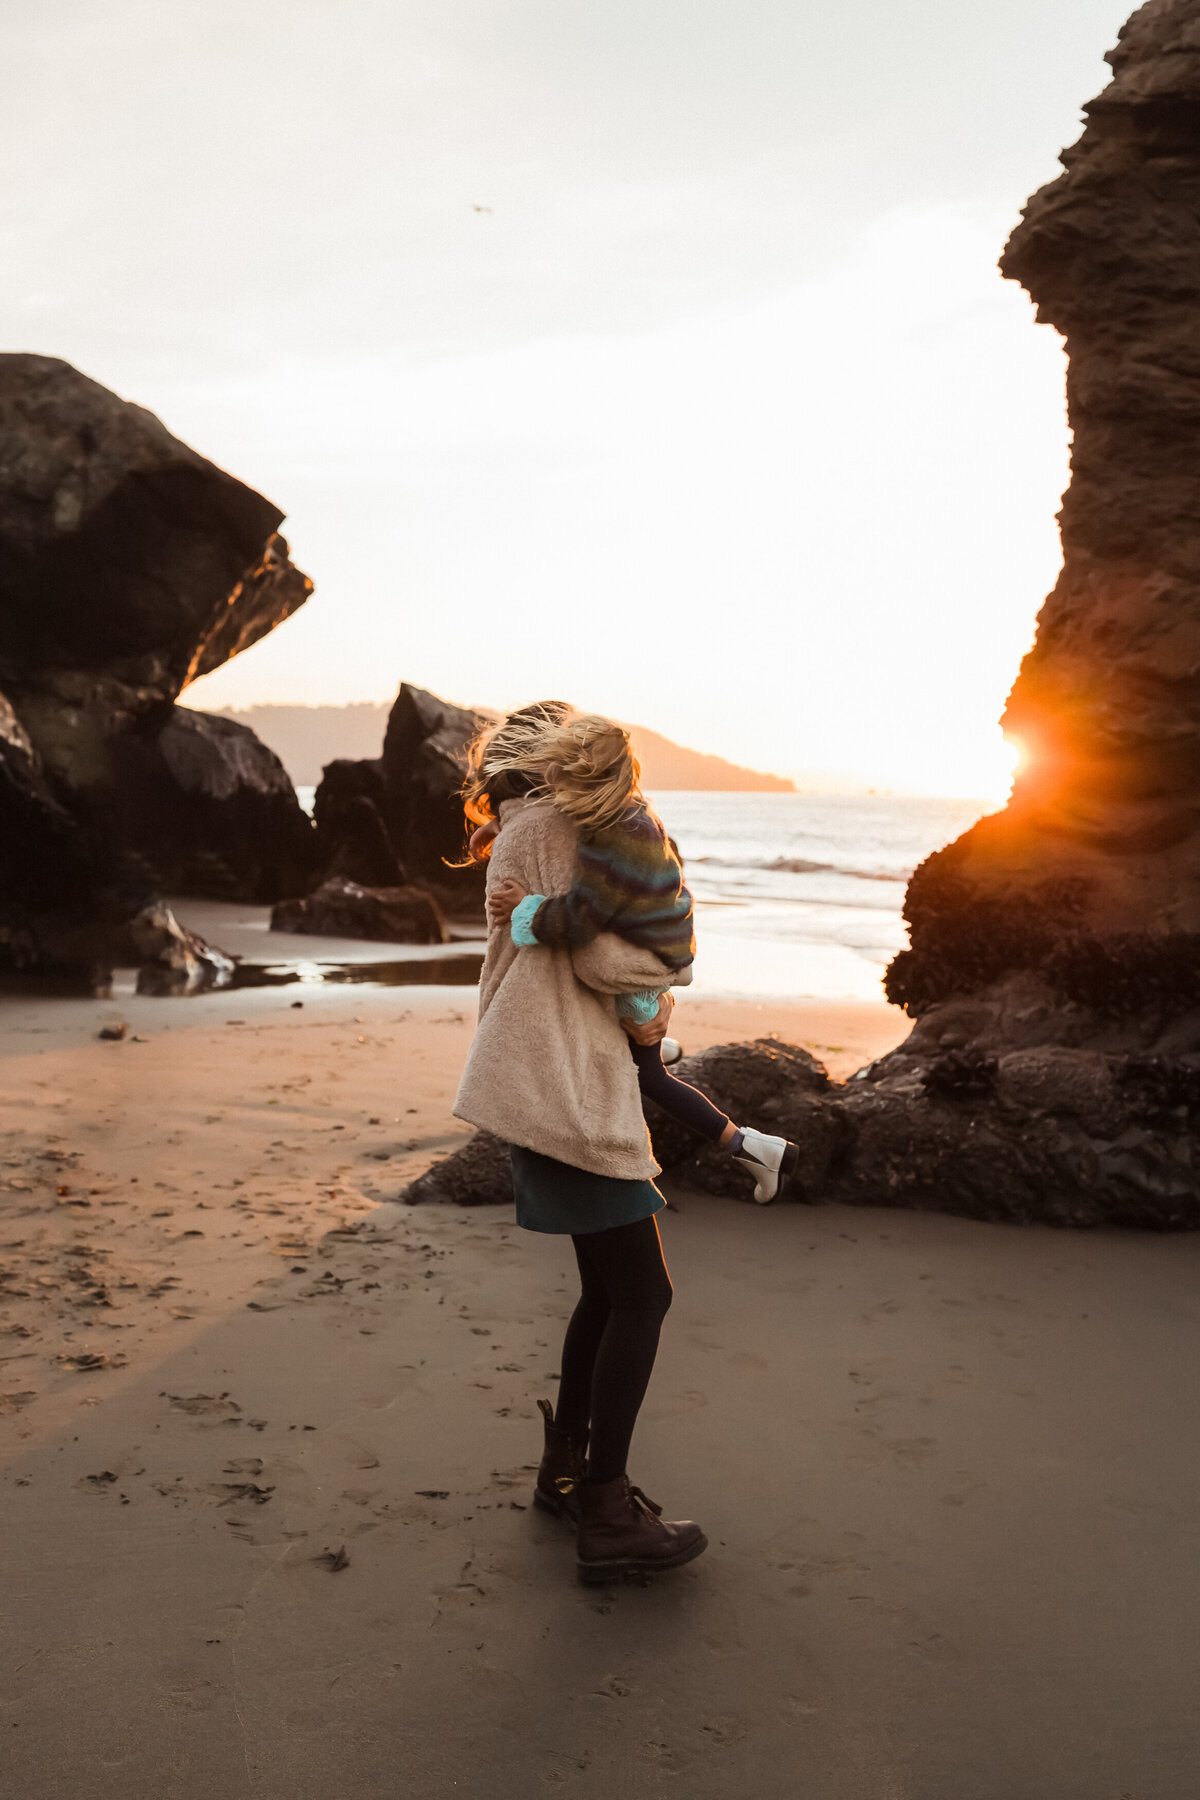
[[242, 1490], [175, 960], [113, 1033], [333, 1560], [98, 1483], [433, 1493], [85, 1362], [214, 1406]]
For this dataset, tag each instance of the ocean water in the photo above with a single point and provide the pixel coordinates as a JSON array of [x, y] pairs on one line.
[[799, 895]]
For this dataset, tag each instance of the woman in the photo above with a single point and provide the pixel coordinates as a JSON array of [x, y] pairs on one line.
[[550, 1073]]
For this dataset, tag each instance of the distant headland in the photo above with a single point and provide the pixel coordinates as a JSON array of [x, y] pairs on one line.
[[305, 738]]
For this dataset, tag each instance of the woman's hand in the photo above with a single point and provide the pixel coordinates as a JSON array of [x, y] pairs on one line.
[[503, 900], [480, 840], [654, 1030]]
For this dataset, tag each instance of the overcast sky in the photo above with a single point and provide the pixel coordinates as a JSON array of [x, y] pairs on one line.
[[650, 353]]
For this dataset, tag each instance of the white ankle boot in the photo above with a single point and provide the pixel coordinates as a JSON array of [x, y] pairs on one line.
[[770, 1160]]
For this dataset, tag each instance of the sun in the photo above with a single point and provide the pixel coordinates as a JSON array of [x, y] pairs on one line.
[[1008, 758]]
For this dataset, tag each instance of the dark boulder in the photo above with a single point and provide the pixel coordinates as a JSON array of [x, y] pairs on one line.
[[414, 784], [424, 762], [207, 806], [356, 842], [777, 1086], [57, 882], [124, 553], [774, 1086], [479, 1174], [1051, 1135], [129, 565], [340, 908], [35, 831]]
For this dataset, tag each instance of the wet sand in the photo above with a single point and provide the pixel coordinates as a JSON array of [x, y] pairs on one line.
[[266, 1436]]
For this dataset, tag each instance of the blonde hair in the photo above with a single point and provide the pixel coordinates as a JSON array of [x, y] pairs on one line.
[[583, 762]]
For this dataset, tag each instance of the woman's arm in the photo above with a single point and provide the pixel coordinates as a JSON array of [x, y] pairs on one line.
[[651, 1030], [612, 965]]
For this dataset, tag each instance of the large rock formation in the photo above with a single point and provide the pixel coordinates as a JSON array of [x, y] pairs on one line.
[[129, 566], [1074, 914], [414, 786], [1054, 968]]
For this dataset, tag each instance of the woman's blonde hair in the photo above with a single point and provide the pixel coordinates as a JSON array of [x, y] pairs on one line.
[[583, 762]]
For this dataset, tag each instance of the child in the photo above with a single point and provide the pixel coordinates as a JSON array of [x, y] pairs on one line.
[[629, 881]]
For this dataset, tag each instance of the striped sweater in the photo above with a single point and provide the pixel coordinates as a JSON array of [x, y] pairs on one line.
[[627, 880]]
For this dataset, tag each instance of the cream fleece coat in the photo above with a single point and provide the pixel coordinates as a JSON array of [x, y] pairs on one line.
[[550, 1067]]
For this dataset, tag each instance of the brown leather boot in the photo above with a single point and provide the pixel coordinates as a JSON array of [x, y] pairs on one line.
[[622, 1533], [562, 1460]]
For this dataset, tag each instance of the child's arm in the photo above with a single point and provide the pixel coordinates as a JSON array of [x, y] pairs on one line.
[[562, 922], [600, 891]]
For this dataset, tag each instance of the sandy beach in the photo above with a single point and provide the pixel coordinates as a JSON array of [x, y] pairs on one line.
[[267, 1437]]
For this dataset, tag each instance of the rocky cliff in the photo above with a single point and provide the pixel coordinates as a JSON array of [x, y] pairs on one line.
[[1075, 913], [129, 565]]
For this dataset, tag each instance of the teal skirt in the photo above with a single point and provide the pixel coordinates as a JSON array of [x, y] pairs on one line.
[[553, 1196]]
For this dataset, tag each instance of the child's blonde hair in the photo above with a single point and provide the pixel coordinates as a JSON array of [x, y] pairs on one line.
[[583, 762]]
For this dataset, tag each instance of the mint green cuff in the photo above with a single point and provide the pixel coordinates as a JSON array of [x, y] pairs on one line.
[[522, 920], [642, 1006]]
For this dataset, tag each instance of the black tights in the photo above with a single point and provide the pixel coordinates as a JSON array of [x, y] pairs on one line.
[[612, 1340]]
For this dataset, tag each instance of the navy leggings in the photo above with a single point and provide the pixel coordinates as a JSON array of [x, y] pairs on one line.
[[687, 1104], [612, 1340]]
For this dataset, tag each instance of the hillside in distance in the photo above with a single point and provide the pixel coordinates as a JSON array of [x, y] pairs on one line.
[[305, 738], [668, 765]]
